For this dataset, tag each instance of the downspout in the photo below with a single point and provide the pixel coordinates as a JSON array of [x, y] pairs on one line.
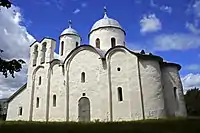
[[140, 85]]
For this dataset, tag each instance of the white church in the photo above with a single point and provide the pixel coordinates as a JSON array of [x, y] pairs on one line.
[[102, 81]]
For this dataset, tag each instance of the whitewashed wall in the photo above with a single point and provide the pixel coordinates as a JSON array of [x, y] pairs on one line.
[[127, 78], [39, 114], [57, 87], [172, 79], [69, 44], [13, 107], [105, 35], [168, 85], [95, 86], [152, 89]]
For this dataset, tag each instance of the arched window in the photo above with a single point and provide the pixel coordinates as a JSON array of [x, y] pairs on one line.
[[113, 42], [20, 110], [175, 92], [37, 102], [43, 52], [82, 77], [35, 55], [40, 80], [76, 44], [120, 95], [54, 100], [62, 48], [98, 43]]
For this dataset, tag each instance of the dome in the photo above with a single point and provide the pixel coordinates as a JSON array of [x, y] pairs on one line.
[[70, 31], [106, 22]]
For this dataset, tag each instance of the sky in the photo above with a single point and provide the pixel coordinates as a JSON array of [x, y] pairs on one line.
[[168, 28]]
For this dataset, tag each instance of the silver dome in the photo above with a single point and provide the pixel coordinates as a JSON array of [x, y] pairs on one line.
[[70, 31], [106, 22]]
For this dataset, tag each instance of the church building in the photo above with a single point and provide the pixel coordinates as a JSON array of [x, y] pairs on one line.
[[103, 80]]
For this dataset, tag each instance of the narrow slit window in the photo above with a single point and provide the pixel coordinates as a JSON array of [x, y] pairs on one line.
[[62, 48], [40, 80], [76, 44], [175, 92], [44, 49], [98, 43], [37, 102], [20, 110], [120, 96], [83, 77], [113, 42], [35, 53], [54, 100]]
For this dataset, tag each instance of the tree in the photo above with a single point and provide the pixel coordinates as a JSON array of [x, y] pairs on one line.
[[192, 99], [9, 66], [5, 3]]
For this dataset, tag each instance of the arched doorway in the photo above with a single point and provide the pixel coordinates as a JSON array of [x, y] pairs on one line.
[[84, 109]]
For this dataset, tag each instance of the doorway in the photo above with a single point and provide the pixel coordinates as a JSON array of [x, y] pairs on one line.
[[84, 109]]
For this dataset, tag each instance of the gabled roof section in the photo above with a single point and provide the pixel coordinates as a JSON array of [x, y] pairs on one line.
[[42, 40], [17, 92]]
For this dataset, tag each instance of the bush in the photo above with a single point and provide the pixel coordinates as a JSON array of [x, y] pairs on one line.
[[189, 125]]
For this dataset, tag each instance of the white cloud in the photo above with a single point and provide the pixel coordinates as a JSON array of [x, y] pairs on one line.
[[178, 41], [76, 11], [196, 8], [191, 27], [152, 3], [163, 8], [59, 4], [150, 23], [194, 11], [84, 5], [193, 67], [167, 9], [15, 41], [190, 81]]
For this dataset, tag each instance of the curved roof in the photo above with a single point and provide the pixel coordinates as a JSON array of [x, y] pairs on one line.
[[70, 31], [172, 64], [103, 54], [106, 22]]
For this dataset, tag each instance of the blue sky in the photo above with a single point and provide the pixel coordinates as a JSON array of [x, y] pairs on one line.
[[49, 18], [169, 28]]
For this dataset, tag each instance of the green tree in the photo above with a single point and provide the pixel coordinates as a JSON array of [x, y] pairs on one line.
[[9, 66], [192, 99]]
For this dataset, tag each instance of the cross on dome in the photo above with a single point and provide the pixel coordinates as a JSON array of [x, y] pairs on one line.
[[105, 12], [70, 23]]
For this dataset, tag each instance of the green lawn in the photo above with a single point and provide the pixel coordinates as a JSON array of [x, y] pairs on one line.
[[189, 125]]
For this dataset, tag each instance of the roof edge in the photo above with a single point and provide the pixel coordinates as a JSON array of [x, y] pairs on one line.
[[172, 64], [106, 27], [42, 40], [17, 92]]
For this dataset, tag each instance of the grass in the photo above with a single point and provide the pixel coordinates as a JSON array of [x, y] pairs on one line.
[[189, 125]]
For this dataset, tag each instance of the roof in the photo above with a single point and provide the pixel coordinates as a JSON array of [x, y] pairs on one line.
[[172, 64], [70, 31], [106, 22], [17, 92]]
